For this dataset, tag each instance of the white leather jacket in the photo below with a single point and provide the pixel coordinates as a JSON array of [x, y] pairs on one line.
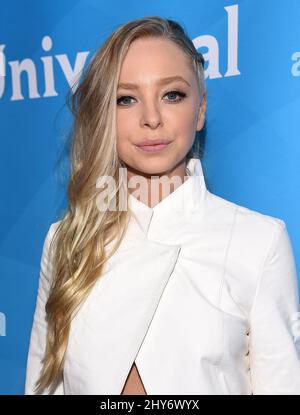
[[202, 295]]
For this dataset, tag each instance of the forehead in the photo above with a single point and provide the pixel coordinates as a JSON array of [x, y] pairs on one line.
[[149, 59]]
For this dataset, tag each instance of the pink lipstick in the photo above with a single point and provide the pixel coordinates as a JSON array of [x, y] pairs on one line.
[[153, 145]]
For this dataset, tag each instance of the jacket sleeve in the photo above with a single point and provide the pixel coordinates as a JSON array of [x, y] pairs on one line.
[[37, 344], [274, 341]]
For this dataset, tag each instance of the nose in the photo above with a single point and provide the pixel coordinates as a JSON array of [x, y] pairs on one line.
[[151, 115]]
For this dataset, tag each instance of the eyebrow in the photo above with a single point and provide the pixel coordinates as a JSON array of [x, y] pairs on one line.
[[162, 81]]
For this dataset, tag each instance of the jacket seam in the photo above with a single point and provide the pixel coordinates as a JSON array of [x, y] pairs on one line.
[[218, 363], [268, 253]]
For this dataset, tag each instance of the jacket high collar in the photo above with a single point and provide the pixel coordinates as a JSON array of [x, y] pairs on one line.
[[180, 205]]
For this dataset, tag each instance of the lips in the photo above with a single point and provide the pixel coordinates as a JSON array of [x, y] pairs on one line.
[[153, 142], [153, 145]]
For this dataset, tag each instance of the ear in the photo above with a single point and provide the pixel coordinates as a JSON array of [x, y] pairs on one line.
[[201, 113]]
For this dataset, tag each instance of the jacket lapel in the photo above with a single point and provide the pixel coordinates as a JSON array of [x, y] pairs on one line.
[[116, 316]]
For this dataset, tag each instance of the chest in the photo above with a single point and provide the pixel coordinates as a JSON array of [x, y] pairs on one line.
[[173, 317]]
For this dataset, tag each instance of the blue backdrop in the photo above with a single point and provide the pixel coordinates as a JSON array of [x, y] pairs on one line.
[[251, 153]]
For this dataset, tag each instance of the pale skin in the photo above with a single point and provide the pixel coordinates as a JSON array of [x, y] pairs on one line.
[[156, 111]]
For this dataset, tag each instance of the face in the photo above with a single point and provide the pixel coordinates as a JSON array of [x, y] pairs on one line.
[[153, 110]]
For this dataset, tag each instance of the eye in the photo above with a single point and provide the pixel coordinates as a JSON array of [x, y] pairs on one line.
[[119, 100], [181, 95]]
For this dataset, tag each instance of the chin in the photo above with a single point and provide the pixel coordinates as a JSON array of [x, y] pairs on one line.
[[158, 165]]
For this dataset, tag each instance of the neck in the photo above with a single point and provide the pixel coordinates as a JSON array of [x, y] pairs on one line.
[[156, 189]]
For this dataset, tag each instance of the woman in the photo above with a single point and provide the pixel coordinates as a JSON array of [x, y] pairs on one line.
[[178, 291]]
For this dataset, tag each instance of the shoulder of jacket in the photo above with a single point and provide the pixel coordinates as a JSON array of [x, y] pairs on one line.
[[250, 235], [54, 225], [251, 232], [50, 234], [246, 218]]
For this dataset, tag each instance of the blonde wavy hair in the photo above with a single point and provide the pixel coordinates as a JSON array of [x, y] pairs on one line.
[[84, 231]]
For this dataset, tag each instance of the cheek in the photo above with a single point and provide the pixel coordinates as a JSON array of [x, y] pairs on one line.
[[126, 124], [185, 119], [124, 131], [122, 146], [186, 125]]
